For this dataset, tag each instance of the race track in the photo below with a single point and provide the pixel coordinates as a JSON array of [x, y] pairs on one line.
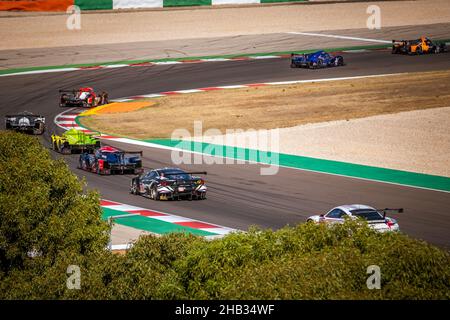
[[238, 195]]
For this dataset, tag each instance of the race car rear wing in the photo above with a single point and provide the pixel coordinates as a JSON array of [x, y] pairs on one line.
[[405, 42], [399, 210], [400, 42], [24, 115], [10, 117], [197, 172], [131, 152]]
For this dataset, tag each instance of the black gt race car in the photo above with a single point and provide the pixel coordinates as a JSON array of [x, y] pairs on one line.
[[316, 60], [108, 160], [169, 184], [25, 122]]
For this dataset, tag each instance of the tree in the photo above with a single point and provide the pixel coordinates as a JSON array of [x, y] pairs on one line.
[[44, 212]]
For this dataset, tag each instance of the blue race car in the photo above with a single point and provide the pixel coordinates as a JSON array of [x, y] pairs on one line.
[[108, 160], [316, 60]]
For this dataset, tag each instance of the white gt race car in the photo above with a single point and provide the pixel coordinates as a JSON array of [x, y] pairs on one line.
[[376, 218]]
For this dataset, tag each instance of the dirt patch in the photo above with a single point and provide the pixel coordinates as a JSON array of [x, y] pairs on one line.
[[281, 106]]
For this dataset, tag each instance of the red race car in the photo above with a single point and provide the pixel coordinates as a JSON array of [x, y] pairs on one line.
[[109, 160], [84, 97]]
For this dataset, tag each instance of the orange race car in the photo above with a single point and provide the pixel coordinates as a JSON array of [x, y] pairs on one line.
[[418, 46]]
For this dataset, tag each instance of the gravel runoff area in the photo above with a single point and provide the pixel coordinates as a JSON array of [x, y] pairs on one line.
[[31, 31], [417, 141]]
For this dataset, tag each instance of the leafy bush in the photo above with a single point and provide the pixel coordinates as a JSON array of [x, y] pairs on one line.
[[43, 213], [315, 262]]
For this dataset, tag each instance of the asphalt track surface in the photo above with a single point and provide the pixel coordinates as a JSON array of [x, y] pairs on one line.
[[238, 195]]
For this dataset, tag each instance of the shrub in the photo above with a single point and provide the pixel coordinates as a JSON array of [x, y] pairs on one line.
[[43, 213]]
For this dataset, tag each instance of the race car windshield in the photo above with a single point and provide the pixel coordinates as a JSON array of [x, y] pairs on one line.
[[177, 176], [366, 214]]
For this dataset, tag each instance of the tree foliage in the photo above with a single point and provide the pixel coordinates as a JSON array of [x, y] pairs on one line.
[[45, 217]]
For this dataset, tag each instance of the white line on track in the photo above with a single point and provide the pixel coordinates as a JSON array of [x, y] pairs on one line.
[[39, 71], [112, 66], [190, 91], [263, 57], [152, 95], [167, 62], [216, 59], [339, 37]]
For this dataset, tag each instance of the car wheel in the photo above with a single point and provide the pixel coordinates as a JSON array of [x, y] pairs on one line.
[[319, 64], [154, 194], [293, 65], [95, 168], [133, 189], [65, 150]]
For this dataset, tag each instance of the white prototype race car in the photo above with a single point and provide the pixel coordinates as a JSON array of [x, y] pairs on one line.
[[376, 218]]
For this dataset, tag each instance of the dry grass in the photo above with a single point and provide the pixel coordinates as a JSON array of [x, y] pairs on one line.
[[280, 106]]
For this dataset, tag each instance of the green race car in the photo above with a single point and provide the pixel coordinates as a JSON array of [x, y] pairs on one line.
[[74, 141]]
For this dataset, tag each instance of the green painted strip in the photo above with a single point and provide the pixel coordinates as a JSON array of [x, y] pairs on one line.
[[186, 3], [313, 164], [94, 4], [150, 224], [273, 1], [80, 65]]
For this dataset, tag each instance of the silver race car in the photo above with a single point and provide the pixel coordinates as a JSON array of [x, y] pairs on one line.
[[376, 218], [25, 122]]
